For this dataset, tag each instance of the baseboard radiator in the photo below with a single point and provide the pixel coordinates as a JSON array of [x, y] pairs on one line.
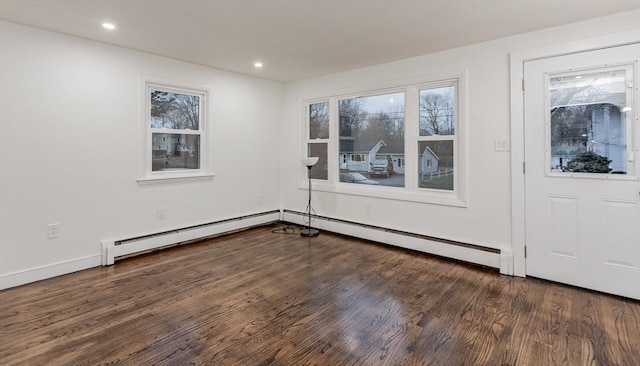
[[122, 248], [485, 256]]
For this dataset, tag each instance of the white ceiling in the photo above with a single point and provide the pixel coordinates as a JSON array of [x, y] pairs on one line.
[[298, 39]]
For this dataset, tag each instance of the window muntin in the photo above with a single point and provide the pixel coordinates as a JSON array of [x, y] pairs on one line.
[[370, 128], [588, 130], [436, 160], [175, 131]]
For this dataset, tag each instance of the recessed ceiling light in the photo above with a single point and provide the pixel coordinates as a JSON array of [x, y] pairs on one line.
[[258, 65], [109, 26]]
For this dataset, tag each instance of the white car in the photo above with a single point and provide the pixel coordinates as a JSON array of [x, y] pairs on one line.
[[356, 178]]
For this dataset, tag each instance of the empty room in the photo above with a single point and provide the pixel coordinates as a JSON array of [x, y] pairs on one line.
[[319, 182]]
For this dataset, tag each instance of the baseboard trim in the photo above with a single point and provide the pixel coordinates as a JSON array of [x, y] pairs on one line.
[[114, 248], [471, 253], [122, 248], [51, 270]]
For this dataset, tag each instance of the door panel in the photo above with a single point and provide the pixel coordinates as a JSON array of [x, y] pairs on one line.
[[582, 167]]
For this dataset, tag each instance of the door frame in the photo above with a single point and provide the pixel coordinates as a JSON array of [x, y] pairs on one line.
[[517, 86]]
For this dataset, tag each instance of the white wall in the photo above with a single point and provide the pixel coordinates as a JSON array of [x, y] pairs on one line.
[[487, 219], [70, 141], [69, 146]]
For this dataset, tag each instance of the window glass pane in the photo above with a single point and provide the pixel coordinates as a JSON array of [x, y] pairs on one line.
[[588, 129], [174, 110], [319, 120], [435, 164], [318, 171], [175, 152], [372, 140], [437, 111]]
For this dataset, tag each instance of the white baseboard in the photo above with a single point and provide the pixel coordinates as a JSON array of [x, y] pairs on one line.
[[51, 270], [111, 249], [414, 242]]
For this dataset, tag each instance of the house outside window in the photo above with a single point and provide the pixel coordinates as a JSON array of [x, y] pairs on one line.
[[401, 142], [366, 125], [437, 136], [175, 131], [587, 125]]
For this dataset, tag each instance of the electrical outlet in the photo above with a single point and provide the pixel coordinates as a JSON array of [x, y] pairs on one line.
[[53, 230], [162, 213], [367, 208], [260, 199]]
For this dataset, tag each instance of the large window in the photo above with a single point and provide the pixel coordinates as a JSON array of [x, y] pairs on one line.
[[175, 119], [437, 135], [372, 139], [402, 142]]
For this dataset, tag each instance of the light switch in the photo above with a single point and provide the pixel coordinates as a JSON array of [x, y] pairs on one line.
[[502, 144]]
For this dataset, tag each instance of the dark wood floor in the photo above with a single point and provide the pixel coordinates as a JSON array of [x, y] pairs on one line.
[[259, 298]]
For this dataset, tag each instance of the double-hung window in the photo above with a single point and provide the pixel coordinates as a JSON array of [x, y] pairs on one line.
[[175, 119], [318, 137], [437, 120]]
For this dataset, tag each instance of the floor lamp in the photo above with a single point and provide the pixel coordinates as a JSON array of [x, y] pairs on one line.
[[308, 231]]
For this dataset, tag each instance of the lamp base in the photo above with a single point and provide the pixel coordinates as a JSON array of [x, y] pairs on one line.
[[309, 232]]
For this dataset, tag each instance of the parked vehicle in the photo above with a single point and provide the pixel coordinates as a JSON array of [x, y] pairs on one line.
[[381, 168], [354, 177]]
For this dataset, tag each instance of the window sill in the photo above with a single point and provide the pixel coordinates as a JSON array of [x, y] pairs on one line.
[[173, 178], [391, 193]]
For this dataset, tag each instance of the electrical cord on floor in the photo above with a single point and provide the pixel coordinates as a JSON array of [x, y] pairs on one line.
[[289, 230]]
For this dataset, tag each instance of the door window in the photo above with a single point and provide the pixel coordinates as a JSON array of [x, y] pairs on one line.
[[588, 124]]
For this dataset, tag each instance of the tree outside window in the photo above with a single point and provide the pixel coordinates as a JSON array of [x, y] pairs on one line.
[[175, 128]]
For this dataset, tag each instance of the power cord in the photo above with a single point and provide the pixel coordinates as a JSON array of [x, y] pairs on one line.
[[289, 230]]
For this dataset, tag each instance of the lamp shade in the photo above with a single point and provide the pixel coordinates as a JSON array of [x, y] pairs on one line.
[[309, 162]]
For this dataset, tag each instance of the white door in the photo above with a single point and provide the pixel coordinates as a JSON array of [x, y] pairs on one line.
[[582, 169]]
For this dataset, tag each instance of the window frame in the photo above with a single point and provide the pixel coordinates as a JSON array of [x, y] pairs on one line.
[[453, 138], [631, 134], [307, 134], [147, 175], [410, 192]]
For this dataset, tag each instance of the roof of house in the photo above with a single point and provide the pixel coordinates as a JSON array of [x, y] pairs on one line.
[[431, 151], [348, 145], [391, 150]]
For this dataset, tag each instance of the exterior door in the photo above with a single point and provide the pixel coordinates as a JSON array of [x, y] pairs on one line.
[[582, 168]]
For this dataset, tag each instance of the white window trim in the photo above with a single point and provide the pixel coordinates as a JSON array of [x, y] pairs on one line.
[[307, 134], [457, 198], [146, 175]]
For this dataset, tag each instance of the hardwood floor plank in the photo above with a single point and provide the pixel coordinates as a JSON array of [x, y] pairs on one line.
[[258, 298]]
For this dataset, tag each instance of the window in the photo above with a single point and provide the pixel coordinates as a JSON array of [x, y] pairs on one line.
[[318, 125], [437, 137], [403, 142], [588, 130], [370, 127], [175, 125]]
